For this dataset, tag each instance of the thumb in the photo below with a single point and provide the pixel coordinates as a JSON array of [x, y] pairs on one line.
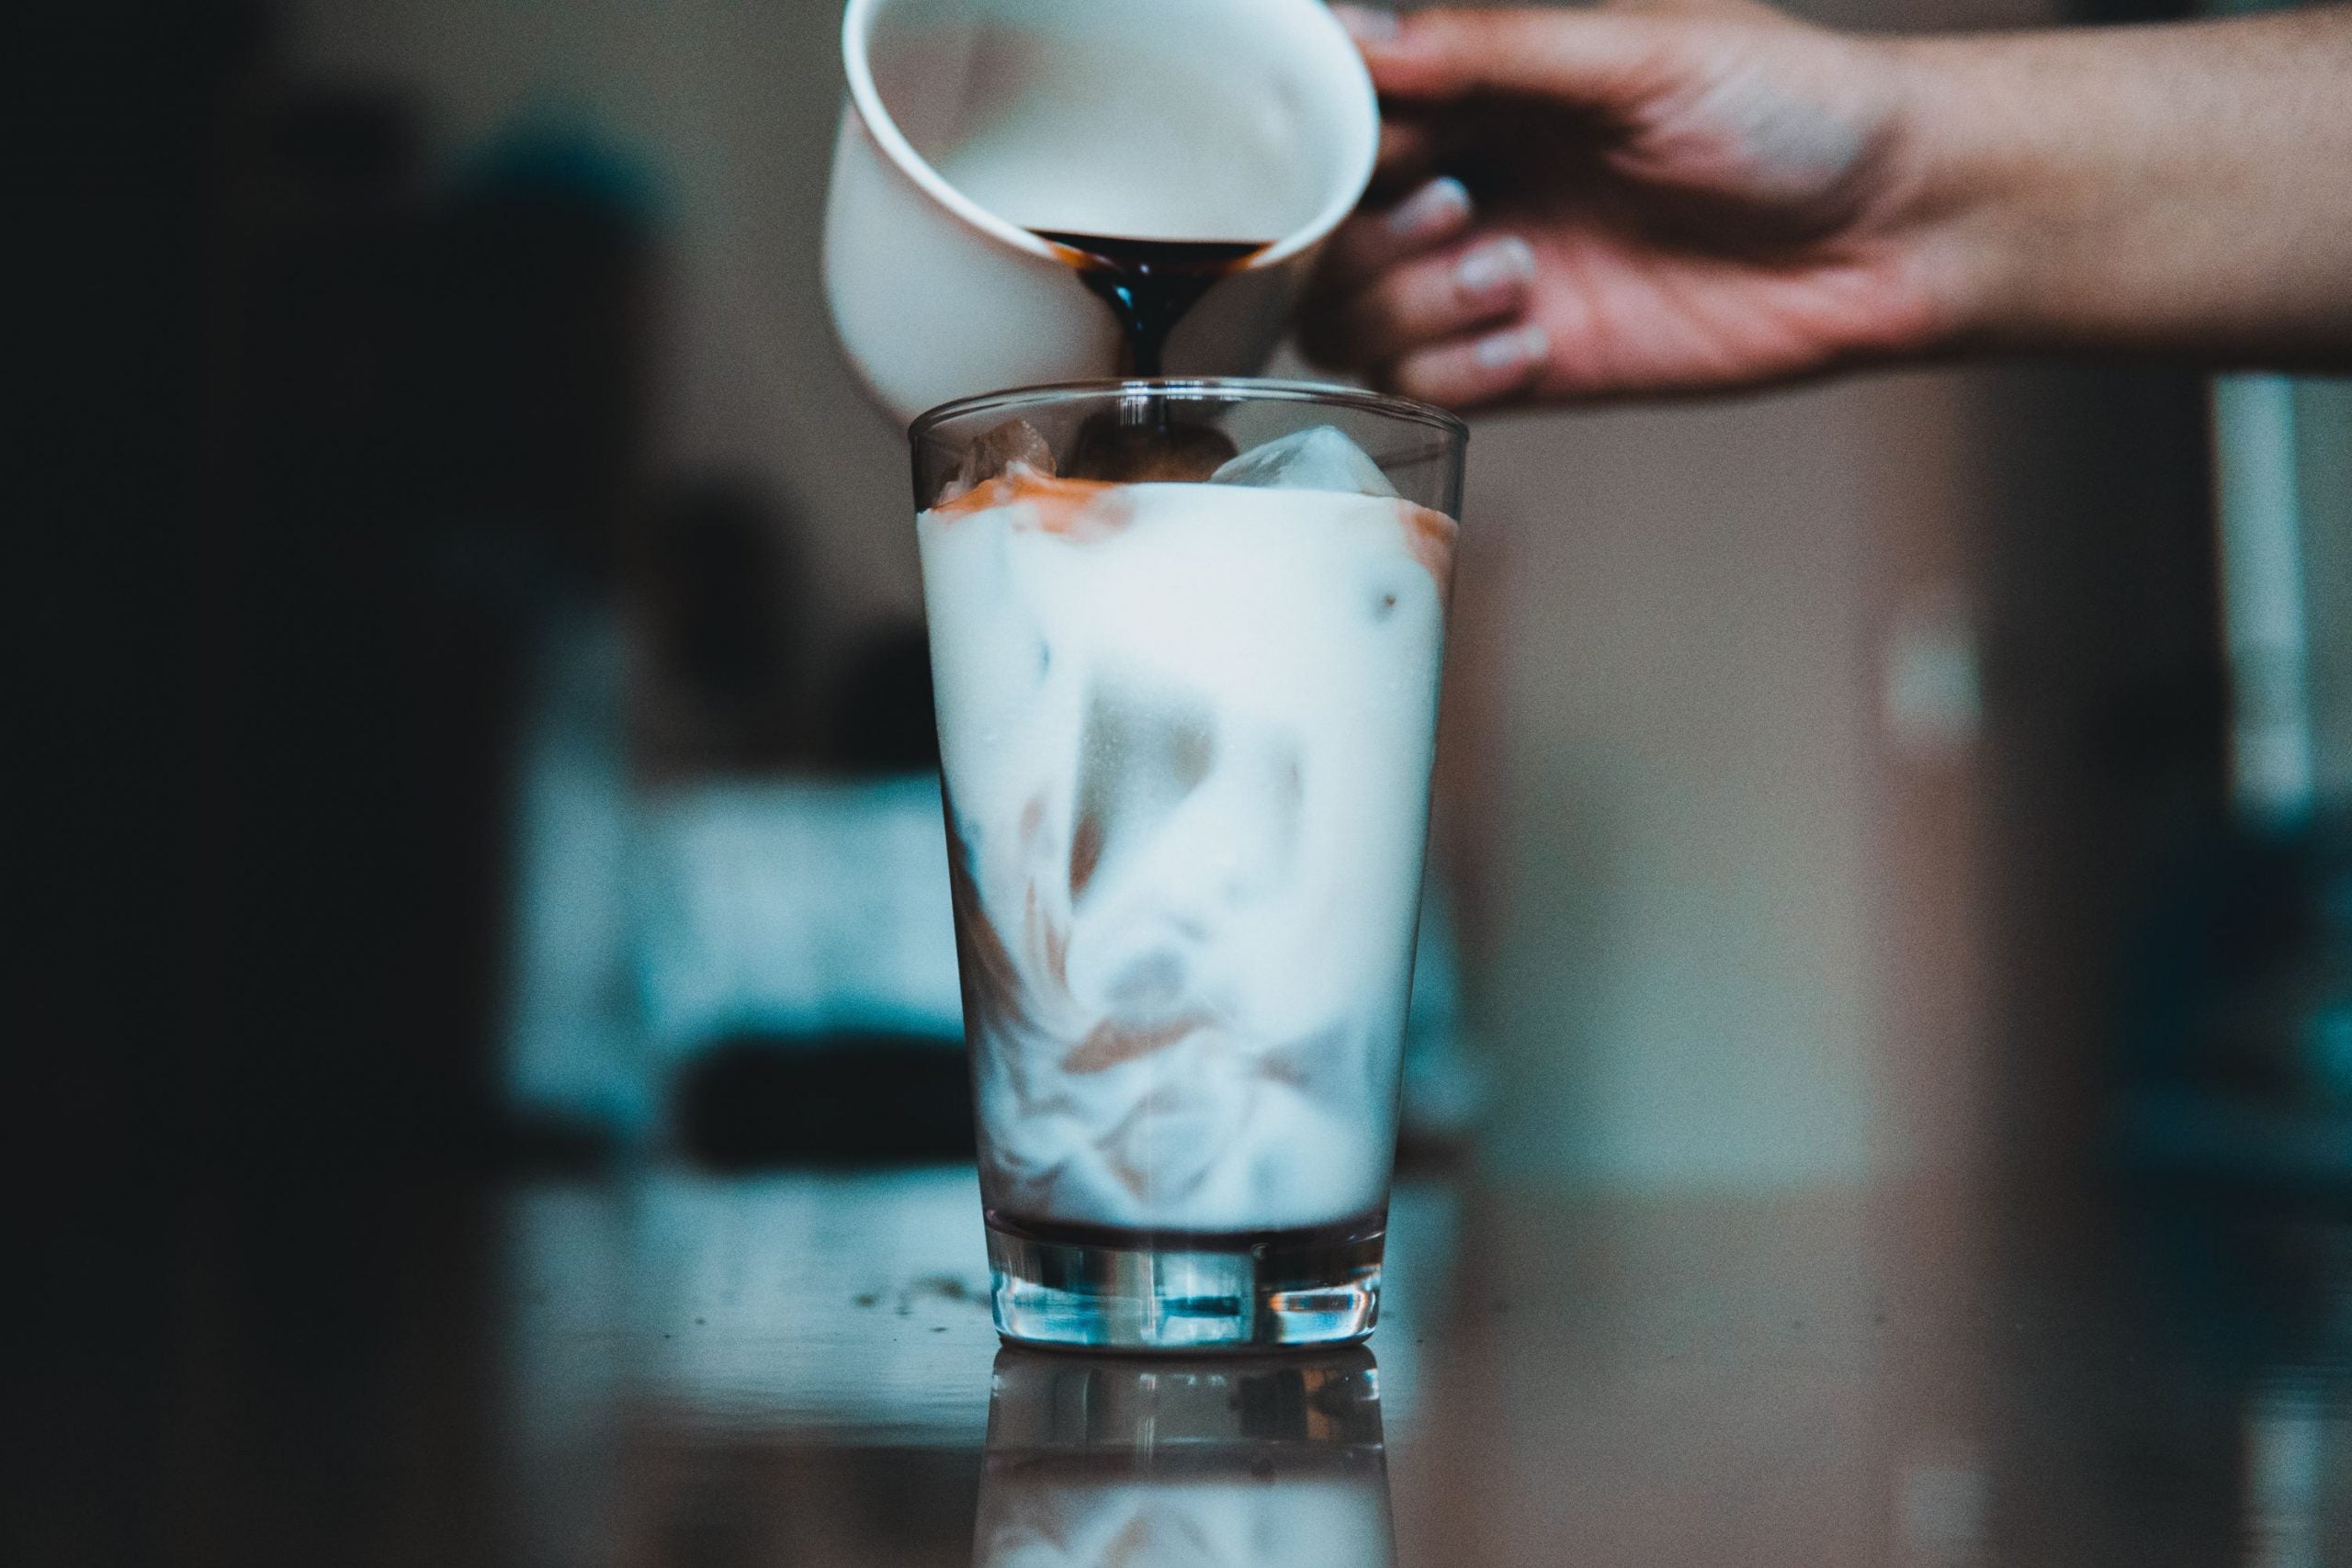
[[1595, 58]]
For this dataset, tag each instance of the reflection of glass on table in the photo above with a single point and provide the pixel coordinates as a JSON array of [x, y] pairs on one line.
[[1232, 1463]]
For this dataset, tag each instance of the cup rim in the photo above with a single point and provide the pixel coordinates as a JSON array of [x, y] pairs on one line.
[[1255, 388], [867, 100]]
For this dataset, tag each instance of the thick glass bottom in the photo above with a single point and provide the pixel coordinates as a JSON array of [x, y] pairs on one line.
[[1080, 1287]]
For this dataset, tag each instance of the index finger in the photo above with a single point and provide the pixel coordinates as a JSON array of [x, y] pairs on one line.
[[1597, 58], [1373, 241]]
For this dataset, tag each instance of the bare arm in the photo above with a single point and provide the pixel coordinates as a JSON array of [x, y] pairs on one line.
[[1583, 204], [2182, 190]]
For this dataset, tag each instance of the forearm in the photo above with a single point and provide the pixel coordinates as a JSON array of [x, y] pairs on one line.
[[2180, 190]]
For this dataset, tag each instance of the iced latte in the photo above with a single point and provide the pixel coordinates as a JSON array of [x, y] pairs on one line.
[[1186, 721]]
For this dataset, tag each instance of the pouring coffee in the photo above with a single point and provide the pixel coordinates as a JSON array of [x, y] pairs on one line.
[[1028, 191], [1151, 284]]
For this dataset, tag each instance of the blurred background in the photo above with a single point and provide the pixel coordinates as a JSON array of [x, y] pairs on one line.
[[481, 743]]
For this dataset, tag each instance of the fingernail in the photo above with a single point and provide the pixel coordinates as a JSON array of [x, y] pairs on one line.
[[1366, 24], [1513, 350], [1434, 209], [1496, 264]]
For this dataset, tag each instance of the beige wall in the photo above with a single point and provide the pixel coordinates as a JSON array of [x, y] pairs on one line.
[[1678, 982], [1740, 920]]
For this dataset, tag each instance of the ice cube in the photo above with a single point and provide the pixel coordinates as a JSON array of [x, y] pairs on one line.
[[1150, 987], [1016, 442], [1175, 1134], [1305, 1158], [1140, 754], [1320, 459]]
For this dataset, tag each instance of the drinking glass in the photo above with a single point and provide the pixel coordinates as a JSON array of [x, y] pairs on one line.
[[1186, 638]]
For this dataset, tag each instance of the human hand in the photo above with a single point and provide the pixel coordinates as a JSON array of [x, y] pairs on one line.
[[1577, 204]]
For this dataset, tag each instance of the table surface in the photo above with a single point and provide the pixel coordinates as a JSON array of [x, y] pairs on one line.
[[669, 1367]]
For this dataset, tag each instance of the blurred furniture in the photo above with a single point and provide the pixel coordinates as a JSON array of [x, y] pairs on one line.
[[2238, 1043], [761, 968]]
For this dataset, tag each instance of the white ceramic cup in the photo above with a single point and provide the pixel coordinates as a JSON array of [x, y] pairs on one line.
[[972, 122]]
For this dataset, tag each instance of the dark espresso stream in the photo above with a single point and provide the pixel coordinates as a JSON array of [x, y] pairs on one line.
[[1150, 284]]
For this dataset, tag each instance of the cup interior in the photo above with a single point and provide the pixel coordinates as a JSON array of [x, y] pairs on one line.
[[1248, 120]]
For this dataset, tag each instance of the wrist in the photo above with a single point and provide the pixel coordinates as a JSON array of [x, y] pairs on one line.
[[1965, 184], [2146, 190]]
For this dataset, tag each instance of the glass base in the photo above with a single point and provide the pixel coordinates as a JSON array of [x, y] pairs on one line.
[[1108, 1290]]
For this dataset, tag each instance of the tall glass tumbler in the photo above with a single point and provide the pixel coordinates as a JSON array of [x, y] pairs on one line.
[[1185, 638]]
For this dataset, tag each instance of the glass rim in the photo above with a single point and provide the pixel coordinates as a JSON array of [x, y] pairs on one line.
[[1204, 388]]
